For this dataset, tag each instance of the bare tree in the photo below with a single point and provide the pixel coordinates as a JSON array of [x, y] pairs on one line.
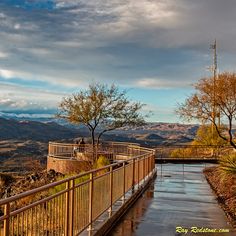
[[211, 101], [101, 108]]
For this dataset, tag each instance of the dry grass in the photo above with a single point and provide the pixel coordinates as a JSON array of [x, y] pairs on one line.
[[224, 185], [228, 165]]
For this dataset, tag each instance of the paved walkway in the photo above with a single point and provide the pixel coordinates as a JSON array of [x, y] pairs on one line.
[[180, 197]]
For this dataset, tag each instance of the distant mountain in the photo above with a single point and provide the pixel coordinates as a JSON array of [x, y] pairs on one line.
[[27, 115], [33, 130], [50, 128], [156, 133], [39, 117]]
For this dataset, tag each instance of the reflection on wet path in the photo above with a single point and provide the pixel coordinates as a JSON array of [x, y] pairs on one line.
[[180, 196]]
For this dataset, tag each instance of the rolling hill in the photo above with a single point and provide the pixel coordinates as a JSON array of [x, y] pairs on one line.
[[34, 130]]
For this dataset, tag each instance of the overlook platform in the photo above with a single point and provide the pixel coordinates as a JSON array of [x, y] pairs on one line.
[[73, 158]]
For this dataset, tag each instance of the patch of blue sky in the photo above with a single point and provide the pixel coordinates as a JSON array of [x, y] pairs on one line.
[[162, 103], [167, 97], [33, 4]]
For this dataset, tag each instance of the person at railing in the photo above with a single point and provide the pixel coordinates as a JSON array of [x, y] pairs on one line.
[[82, 145]]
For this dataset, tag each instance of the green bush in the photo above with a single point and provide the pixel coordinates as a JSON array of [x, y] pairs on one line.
[[228, 164], [101, 162], [61, 187]]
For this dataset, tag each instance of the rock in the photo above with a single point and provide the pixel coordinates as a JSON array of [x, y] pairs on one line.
[[51, 173], [28, 182]]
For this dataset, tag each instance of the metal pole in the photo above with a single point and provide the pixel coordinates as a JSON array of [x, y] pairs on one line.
[[91, 202], [67, 214], [123, 182], [71, 207], [6, 230], [111, 191], [214, 70], [138, 172], [133, 175], [144, 168]]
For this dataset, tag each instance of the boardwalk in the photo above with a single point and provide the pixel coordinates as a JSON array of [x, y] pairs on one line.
[[176, 198]]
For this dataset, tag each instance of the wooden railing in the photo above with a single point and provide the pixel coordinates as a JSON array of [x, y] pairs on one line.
[[72, 205]]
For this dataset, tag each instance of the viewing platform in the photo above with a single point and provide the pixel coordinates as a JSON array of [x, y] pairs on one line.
[[72, 158]]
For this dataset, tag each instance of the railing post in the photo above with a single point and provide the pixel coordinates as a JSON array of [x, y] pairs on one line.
[[69, 219], [138, 171], [149, 168], [111, 191], [67, 210], [90, 228], [123, 182], [144, 165], [133, 175], [153, 162], [6, 230], [71, 207], [49, 149]]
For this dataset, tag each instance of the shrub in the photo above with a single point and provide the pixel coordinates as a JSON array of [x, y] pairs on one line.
[[101, 162], [228, 164], [61, 187]]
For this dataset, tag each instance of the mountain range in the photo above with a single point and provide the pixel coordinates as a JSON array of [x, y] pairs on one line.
[[34, 130], [23, 142], [151, 134]]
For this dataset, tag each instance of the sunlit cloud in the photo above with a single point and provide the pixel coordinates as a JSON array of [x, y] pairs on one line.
[[156, 83], [7, 74]]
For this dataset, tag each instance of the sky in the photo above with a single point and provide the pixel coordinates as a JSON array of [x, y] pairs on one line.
[[156, 49]]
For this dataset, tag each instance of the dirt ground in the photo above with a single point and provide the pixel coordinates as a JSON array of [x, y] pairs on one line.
[[225, 190]]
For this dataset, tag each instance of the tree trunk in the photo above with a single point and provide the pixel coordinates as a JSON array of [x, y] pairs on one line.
[[99, 136], [93, 144], [230, 133]]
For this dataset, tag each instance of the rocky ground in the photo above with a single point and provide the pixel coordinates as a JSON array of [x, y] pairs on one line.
[[22, 157], [11, 185], [225, 189]]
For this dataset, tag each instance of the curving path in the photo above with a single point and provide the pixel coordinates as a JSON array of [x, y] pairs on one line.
[[180, 196]]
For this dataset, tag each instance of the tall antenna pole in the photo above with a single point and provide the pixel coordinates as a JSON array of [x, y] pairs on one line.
[[213, 46], [214, 70]]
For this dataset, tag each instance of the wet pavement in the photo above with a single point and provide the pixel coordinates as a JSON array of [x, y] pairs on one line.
[[179, 197]]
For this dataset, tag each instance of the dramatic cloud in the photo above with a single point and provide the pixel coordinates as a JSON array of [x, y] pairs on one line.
[[149, 44]]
